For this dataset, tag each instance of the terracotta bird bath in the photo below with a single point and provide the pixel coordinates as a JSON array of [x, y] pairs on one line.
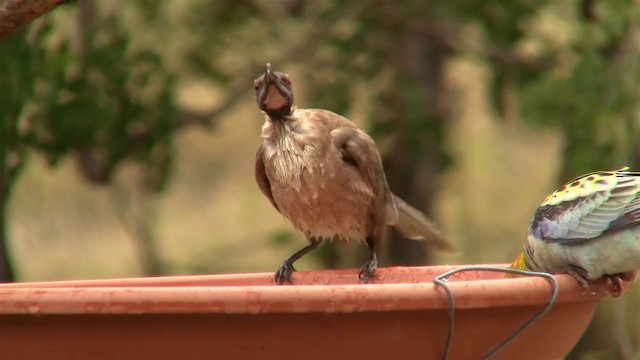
[[324, 315]]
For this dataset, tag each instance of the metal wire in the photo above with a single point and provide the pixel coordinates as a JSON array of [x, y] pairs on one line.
[[441, 280]]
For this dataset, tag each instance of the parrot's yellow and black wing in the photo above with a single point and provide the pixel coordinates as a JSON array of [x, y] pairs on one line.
[[589, 206]]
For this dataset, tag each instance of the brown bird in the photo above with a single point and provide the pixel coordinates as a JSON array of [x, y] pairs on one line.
[[325, 176]]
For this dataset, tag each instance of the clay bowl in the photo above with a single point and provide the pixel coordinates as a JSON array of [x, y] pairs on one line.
[[323, 315]]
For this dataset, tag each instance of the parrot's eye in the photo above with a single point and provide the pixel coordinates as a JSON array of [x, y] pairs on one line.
[[256, 85]]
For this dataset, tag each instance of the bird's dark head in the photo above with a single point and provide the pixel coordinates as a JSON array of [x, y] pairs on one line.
[[274, 93]]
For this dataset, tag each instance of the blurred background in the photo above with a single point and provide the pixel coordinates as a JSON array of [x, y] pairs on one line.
[[129, 128]]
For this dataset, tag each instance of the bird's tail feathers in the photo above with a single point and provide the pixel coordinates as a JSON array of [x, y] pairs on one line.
[[414, 225], [519, 263]]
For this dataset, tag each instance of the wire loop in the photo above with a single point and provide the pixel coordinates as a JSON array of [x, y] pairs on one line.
[[441, 280]]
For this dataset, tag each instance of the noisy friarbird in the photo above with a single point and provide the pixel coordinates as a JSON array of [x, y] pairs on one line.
[[325, 175]]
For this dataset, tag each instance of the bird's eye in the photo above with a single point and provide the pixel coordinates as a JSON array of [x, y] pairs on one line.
[[286, 80], [256, 85]]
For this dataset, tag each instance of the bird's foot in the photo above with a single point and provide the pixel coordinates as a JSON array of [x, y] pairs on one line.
[[581, 277], [367, 270], [616, 281], [284, 272]]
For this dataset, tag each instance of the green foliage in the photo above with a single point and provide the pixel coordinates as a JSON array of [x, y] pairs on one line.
[[17, 78], [213, 29], [373, 49], [594, 98], [501, 21], [94, 96]]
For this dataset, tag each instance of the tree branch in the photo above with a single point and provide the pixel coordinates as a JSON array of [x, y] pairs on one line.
[[15, 14]]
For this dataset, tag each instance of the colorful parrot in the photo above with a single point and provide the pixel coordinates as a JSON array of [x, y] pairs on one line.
[[589, 228]]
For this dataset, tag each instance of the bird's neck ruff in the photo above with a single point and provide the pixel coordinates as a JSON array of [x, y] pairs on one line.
[[278, 118], [283, 135], [281, 115]]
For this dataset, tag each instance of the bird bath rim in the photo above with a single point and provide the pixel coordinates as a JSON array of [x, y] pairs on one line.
[[330, 291]]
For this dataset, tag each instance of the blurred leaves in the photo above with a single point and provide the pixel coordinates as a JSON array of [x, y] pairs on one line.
[[595, 96], [282, 237], [96, 98], [18, 77]]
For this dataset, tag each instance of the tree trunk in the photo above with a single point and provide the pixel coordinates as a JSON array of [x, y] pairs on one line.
[[412, 176], [143, 215], [135, 205], [6, 270], [7, 171]]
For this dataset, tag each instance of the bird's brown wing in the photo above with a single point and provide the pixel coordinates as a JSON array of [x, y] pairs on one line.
[[358, 149], [262, 179]]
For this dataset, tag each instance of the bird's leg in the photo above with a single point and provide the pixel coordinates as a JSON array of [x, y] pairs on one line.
[[580, 275], [286, 268], [367, 270]]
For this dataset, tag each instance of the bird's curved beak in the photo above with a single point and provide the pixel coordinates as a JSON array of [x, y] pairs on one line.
[[269, 77]]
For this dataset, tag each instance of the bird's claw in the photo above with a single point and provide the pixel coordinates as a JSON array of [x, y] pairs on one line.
[[284, 272], [367, 270], [580, 275], [616, 281]]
